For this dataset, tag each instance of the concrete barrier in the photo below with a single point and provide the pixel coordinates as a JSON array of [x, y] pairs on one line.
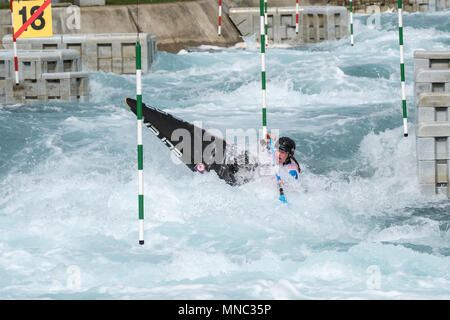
[[426, 60], [108, 52], [44, 75], [442, 4], [432, 81], [324, 23], [5, 23], [431, 72], [432, 99], [317, 23]]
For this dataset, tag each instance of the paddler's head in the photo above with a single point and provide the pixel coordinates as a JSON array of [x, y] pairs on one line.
[[285, 148]]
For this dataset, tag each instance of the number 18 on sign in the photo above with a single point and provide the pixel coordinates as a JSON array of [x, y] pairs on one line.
[[32, 18]]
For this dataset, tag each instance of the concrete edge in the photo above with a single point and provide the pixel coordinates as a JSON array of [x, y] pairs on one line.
[[432, 99], [423, 54], [433, 76], [433, 130]]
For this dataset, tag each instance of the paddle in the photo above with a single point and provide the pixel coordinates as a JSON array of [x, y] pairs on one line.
[[279, 181]]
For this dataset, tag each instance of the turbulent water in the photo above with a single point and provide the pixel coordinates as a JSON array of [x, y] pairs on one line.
[[356, 227]]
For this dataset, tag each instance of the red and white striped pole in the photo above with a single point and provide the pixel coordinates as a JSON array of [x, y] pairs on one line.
[[16, 62], [219, 30], [296, 16]]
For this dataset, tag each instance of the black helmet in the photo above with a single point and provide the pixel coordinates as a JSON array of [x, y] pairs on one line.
[[286, 144]]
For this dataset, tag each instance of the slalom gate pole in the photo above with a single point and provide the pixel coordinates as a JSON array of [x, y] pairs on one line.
[[296, 16], [263, 80], [263, 66], [402, 67], [139, 142], [352, 42], [16, 61], [219, 28], [266, 28]]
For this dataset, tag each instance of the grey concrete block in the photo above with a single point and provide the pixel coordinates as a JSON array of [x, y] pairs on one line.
[[443, 4], [426, 115], [420, 88], [439, 63], [427, 172], [433, 76], [441, 114], [433, 107], [433, 148], [423, 8], [434, 100], [317, 23], [4, 68], [428, 130], [425, 60], [425, 149], [442, 172], [32, 63], [43, 76], [108, 52], [441, 148], [420, 64], [280, 23], [423, 54]]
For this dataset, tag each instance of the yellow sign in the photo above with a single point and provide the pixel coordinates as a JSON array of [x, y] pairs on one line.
[[32, 18]]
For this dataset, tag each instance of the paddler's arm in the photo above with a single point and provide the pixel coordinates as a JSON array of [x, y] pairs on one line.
[[293, 170]]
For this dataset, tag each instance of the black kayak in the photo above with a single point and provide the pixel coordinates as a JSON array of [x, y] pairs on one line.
[[202, 150]]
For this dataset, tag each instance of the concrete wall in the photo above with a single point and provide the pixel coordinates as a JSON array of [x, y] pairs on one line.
[[107, 52], [43, 75], [176, 25], [432, 98], [317, 23]]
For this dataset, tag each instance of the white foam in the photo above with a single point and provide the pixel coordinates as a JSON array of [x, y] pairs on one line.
[[68, 191]]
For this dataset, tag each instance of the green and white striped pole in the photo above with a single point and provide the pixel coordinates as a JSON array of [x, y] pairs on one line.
[[263, 81], [351, 23], [263, 66], [402, 67], [139, 142], [266, 28]]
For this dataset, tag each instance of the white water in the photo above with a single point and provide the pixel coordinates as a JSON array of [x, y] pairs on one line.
[[356, 227]]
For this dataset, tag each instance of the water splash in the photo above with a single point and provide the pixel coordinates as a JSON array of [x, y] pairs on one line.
[[357, 226]]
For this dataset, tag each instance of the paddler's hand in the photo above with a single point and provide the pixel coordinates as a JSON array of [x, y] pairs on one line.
[[266, 141], [270, 136], [280, 183]]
